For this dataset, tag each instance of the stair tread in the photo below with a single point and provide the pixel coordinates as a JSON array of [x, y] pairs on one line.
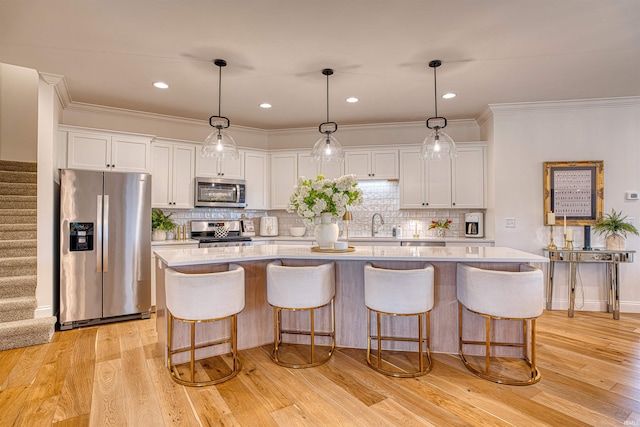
[[12, 165]]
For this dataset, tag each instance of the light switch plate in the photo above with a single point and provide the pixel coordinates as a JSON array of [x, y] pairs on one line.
[[510, 223]]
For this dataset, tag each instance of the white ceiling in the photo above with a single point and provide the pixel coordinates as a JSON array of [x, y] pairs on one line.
[[493, 51]]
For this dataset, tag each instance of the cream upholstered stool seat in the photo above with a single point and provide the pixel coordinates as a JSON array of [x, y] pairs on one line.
[[304, 288], [506, 295], [197, 298], [399, 293]]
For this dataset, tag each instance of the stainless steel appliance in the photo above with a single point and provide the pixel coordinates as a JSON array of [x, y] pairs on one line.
[[474, 224], [218, 233], [105, 247], [220, 193], [269, 226]]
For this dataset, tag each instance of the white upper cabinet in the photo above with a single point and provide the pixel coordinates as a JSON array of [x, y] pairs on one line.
[[212, 167], [424, 184], [173, 175], [468, 175], [371, 164], [310, 169], [256, 167], [434, 184], [284, 175], [105, 151]]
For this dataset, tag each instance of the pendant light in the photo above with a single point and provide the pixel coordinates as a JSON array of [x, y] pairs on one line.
[[327, 148], [219, 143], [438, 145]]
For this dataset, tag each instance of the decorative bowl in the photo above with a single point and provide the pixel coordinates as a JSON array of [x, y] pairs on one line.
[[297, 231]]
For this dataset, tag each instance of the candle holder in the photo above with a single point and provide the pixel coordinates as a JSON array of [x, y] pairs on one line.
[[568, 244], [552, 245]]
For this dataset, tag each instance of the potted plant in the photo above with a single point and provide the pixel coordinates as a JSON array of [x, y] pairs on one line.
[[615, 230], [160, 224]]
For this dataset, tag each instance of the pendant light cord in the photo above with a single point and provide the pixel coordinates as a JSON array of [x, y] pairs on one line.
[[220, 88], [327, 97], [435, 90]]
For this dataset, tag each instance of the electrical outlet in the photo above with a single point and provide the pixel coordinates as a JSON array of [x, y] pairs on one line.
[[510, 223]]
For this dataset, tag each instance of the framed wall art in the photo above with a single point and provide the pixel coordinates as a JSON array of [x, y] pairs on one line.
[[574, 190]]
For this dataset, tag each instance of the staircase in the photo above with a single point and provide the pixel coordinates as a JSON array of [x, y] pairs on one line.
[[18, 241]]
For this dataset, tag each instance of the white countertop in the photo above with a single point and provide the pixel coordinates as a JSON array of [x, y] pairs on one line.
[[307, 238], [184, 256], [173, 242]]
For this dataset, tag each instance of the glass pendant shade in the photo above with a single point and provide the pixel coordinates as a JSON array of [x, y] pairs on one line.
[[221, 145], [327, 149], [438, 145]]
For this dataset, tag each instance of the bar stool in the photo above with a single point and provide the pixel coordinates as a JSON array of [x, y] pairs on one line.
[[300, 289], [400, 293], [199, 298], [506, 295]]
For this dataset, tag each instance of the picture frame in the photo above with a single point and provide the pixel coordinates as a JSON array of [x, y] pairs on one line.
[[575, 190]]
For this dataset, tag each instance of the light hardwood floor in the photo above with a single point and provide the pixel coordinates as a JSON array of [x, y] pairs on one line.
[[114, 375]]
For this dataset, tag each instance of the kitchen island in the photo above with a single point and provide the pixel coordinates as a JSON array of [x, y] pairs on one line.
[[255, 323]]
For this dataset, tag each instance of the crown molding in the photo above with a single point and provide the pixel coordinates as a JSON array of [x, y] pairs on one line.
[[60, 85], [375, 126], [82, 107], [578, 104]]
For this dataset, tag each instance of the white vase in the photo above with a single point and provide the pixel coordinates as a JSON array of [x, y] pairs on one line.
[[440, 233], [615, 242], [159, 235], [326, 233]]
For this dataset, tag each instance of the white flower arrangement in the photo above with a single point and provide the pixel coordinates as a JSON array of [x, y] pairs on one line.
[[310, 198]]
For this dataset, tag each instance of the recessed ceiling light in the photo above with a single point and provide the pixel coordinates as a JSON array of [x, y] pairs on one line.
[[352, 99], [161, 85], [449, 95], [265, 105]]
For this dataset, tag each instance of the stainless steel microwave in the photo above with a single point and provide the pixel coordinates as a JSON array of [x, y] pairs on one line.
[[220, 193]]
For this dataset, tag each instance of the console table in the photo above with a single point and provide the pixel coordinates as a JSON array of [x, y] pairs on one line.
[[611, 259]]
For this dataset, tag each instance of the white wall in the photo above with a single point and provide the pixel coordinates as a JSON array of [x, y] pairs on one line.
[[18, 113], [99, 117], [525, 136], [49, 115]]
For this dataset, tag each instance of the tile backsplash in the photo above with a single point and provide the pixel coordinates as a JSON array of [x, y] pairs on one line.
[[381, 197]]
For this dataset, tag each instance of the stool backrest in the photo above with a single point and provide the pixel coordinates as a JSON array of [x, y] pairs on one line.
[[399, 291], [300, 287], [205, 296], [509, 294]]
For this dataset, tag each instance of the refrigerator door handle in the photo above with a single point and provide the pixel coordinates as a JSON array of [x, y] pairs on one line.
[[99, 234], [105, 237]]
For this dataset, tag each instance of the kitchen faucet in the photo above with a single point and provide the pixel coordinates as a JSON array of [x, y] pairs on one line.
[[373, 223]]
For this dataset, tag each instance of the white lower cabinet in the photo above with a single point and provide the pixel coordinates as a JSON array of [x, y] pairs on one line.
[[173, 175]]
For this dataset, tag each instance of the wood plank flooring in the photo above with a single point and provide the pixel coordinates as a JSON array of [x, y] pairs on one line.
[[113, 375]]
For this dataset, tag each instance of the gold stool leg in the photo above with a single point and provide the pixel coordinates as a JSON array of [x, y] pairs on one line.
[[313, 336], [193, 352], [487, 344], [420, 358]]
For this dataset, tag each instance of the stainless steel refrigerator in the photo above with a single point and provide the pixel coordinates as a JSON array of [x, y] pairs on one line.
[[105, 247]]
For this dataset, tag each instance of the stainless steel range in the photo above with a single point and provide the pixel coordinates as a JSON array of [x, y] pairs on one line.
[[218, 233]]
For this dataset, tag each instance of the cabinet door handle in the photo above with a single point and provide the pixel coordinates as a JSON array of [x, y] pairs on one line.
[[108, 165], [453, 204]]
